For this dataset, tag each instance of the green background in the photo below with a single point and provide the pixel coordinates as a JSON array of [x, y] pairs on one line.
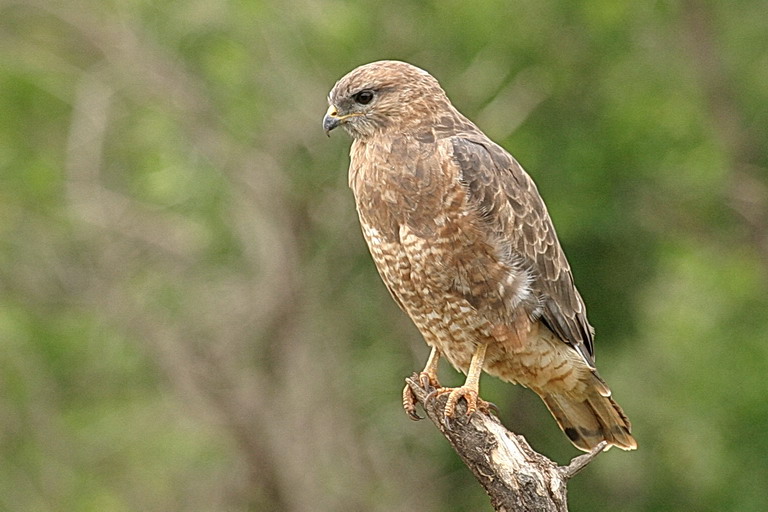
[[189, 319]]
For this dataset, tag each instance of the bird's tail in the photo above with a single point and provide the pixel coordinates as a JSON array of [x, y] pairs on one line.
[[591, 418]]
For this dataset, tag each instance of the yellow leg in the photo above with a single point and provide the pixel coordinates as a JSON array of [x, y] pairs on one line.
[[471, 388], [427, 378]]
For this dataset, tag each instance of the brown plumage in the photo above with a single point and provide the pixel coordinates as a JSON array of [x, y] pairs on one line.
[[466, 247]]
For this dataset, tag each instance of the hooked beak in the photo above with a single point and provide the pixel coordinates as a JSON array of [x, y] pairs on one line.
[[331, 120]]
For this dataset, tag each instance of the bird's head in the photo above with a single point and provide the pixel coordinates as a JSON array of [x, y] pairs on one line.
[[381, 96]]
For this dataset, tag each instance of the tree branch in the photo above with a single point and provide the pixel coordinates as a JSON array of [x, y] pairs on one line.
[[516, 477]]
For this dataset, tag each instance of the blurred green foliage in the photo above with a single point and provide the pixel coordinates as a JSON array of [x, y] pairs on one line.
[[190, 320]]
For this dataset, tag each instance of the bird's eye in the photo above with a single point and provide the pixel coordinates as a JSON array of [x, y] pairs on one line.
[[363, 97]]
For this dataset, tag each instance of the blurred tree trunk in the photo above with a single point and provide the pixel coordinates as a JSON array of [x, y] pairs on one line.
[[748, 191]]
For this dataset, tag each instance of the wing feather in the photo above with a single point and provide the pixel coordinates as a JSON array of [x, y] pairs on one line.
[[506, 198]]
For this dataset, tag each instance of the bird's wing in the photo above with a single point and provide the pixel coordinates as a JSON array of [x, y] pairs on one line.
[[506, 199]]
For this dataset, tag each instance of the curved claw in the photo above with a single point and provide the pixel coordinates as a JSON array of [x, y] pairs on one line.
[[414, 415], [427, 382], [409, 403], [431, 396], [490, 406], [469, 395]]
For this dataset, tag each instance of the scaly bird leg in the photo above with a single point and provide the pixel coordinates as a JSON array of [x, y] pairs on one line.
[[427, 378], [470, 390]]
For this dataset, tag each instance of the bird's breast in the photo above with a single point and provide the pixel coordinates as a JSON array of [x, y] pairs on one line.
[[400, 179]]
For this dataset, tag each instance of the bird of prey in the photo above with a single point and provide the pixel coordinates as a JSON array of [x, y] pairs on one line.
[[464, 243]]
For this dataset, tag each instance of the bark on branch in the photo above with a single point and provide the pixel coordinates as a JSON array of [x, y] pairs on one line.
[[516, 477]]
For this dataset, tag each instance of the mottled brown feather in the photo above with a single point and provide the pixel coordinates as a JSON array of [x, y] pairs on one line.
[[494, 178], [464, 243]]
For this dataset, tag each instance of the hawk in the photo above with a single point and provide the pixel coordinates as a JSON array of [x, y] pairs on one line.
[[464, 243]]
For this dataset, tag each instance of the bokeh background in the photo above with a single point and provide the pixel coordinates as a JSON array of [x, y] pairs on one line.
[[189, 319]]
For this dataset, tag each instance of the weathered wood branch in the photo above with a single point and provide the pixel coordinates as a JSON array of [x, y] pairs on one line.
[[516, 477]]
